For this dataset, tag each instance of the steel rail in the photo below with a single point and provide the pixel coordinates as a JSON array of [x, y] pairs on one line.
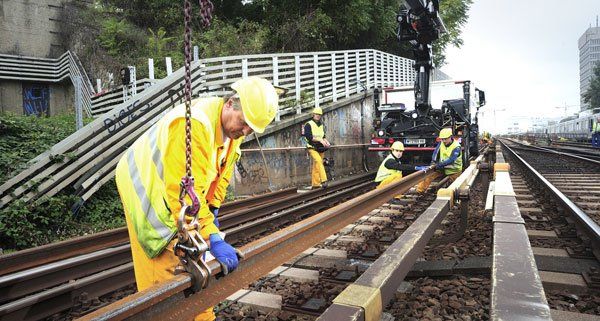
[[16, 285], [63, 297], [247, 215], [583, 220], [593, 161], [257, 226], [166, 301], [517, 292], [37, 256]]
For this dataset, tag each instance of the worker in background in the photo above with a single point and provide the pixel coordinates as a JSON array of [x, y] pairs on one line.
[[148, 176], [447, 158], [596, 132], [391, 168], [316, 144]]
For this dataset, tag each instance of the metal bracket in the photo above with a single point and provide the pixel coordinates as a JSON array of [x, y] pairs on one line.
[[463, 196], [190, 248]]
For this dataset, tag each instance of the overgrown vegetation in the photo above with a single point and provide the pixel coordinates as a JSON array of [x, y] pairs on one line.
[[23, 138], [24, 225]]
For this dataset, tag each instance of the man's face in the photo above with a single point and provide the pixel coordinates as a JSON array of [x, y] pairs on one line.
[[234, 125], [397, 153], [447, 140], [316, 117]]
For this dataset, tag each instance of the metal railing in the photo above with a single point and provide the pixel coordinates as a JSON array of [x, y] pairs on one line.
[[312, 78]]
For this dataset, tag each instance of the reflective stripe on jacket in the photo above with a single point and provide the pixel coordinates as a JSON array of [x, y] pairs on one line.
[[445, 153], [149, 173], [318, 132], [384, 172]]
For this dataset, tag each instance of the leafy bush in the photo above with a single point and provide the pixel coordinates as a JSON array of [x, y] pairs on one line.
[[22, 138], [24, 225]]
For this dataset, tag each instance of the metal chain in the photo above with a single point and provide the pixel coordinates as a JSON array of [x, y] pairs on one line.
[[206, 8], [187, 8]]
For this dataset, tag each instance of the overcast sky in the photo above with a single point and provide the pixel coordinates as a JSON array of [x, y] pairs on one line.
[[524, 55]]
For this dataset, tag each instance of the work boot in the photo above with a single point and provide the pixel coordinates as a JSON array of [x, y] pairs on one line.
[[324, 184]]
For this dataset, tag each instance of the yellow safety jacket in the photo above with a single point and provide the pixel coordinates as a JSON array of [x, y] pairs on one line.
[[318, 132], [445, 153], [149, 173], [384, 172], [595, 127]]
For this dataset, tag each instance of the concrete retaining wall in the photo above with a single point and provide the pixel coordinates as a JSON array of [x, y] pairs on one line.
[[293, 167], [31, 28]]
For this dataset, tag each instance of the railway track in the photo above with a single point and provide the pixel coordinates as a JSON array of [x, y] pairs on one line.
[[574, 176], [40, 282], [366, 234], [471, 253], [552, 197], [591, 153]]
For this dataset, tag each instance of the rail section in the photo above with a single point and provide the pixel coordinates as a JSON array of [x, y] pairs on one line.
[[264, 255], [21, 292], [23, 68], [517, 292], [565, 193], [36, 256]]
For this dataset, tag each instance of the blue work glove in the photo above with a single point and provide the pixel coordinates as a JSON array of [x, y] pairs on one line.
[[215, 213], [421, 168], [224, 253]]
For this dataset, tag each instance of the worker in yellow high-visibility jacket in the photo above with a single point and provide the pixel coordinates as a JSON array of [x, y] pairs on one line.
[[316, 144], [390, 170], [148, 176], [447, 158]]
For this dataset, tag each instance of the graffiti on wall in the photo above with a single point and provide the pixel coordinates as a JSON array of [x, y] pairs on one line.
[[36, 99]]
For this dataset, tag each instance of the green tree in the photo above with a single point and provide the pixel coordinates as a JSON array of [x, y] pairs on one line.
[[592, 94], [454, 13], [263, 26], [224, 39]]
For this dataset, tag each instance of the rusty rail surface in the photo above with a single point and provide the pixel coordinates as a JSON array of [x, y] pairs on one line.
[[36, 306], [37, 256], [166, 301]]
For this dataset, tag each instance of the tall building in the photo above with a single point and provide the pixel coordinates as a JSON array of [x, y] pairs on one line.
[[589, 55]]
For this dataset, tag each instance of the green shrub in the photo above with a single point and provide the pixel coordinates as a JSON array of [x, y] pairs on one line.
[[24, 137], [24, 225]]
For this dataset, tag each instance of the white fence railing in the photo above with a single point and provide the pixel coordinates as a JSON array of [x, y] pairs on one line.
[[52, 70], [312, 78]]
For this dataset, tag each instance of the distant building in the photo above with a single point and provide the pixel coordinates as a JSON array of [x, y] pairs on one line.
[[589, 55]]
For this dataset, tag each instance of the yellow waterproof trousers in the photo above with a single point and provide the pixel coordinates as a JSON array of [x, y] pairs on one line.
[[318, 170], [422, 187], [149, 272], [394, 177]]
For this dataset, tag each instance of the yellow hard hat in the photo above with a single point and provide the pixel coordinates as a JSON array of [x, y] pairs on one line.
[[318, 111], [445, 133], [259, 101], [397, 146]]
